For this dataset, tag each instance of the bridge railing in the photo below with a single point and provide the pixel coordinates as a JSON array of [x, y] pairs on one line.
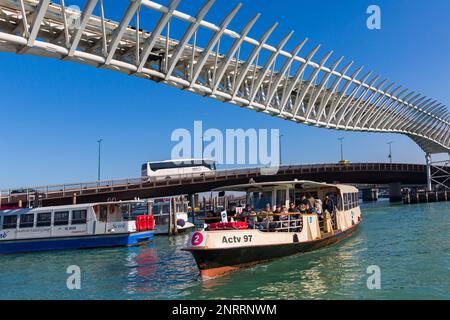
[[93, 187]]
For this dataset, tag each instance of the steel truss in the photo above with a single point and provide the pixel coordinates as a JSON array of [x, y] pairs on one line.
[[440, 174], [226, 65]]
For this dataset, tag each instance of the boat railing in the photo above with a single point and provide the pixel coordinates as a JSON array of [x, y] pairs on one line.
[[287, 222], [277, 222]]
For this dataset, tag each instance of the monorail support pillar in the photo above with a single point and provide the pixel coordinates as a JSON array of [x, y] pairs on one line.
[[428, 168]]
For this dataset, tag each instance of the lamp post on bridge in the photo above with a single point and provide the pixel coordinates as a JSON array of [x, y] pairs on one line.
[[279, 145], [99, 158], [390, 151], [342, 148]]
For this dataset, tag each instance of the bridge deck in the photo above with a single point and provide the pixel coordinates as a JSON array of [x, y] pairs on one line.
[[126, 189]]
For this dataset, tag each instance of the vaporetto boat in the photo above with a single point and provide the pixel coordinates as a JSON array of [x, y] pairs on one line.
[[229, 246], [75, 227]]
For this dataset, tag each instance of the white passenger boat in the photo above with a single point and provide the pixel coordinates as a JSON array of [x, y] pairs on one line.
[[75, 227], [161, 211], [228, 246]]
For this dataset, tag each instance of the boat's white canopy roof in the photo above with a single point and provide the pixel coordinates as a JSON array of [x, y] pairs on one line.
[[305, 184]]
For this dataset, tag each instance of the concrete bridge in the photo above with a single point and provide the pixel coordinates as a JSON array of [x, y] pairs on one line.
[[394, 175]]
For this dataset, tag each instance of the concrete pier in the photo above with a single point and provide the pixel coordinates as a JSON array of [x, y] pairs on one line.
[[395, 192], [370, 195], [426, 197]]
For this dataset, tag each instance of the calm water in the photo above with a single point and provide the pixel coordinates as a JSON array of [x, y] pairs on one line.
[[410, 244]]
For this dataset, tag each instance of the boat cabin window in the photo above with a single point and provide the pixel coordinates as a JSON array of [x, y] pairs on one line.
[[130, 212], [101, 213], [44, 219], [61, 218], [182, 207], [281, 198], [27, 220], [161, 208], [10, 222], [351, 200], [79, 216], [259, 200]]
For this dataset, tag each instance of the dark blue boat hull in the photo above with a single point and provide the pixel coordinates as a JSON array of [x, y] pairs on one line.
[[79, 242]]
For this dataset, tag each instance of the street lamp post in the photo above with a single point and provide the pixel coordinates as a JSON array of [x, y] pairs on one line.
[[279, 145], [342, 148], [390, 151], [99, 158]]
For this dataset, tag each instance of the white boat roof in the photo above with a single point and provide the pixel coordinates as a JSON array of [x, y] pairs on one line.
[[306, 185]]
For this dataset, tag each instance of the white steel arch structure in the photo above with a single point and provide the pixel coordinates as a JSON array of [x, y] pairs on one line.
[[230, 66]]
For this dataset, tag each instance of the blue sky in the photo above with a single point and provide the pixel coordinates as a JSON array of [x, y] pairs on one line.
[[53, 112]]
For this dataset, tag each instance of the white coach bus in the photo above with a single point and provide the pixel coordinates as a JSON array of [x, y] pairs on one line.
[[169, 169]]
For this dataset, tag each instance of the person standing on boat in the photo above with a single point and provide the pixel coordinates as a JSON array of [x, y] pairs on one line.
[[311, 200], [318, 207], [329, 208], [319, 212], [329, 204]]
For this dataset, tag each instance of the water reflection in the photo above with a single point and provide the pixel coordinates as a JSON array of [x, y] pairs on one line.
[[411, 245]]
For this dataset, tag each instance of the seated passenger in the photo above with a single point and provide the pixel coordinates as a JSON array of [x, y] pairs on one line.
[[292, 208], [284, 213], [304, 207], [248, 208], [309, 207], [232, 212], [277, 213], [246, 212], [268, 216]]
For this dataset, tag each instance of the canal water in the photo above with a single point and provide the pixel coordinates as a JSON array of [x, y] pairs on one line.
[[409, 244]]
